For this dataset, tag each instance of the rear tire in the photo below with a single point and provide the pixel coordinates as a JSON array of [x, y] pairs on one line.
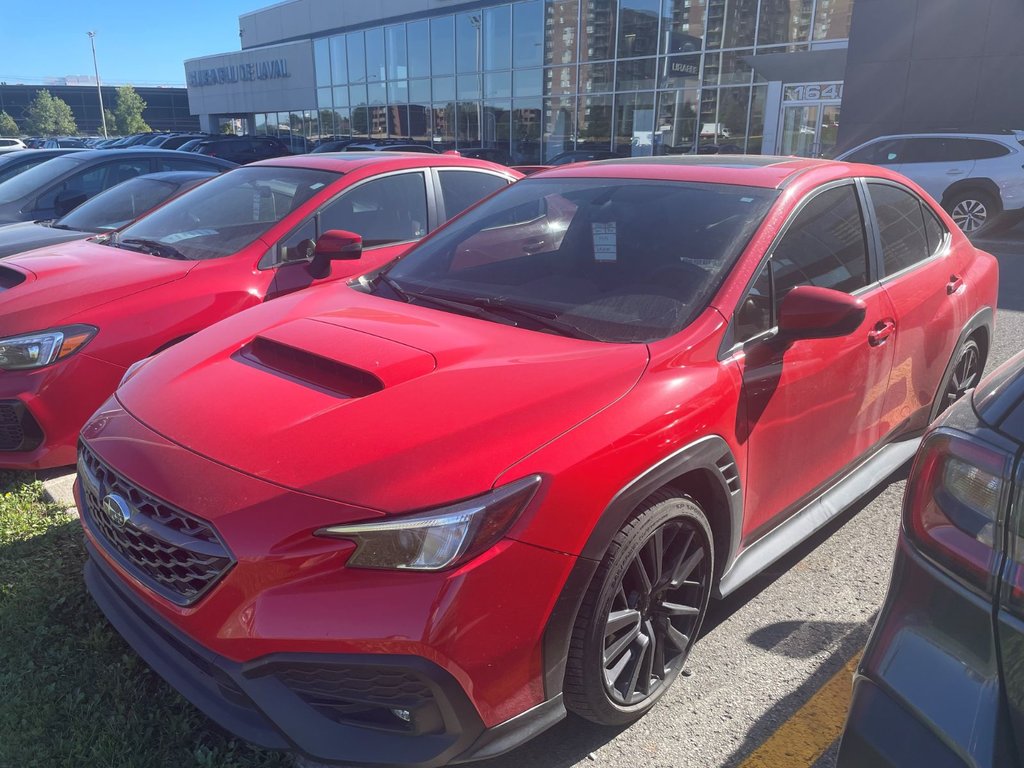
[[975, 211], [965, 372], [642, 612]]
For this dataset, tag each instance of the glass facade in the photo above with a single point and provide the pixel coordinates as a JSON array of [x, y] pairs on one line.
[[539, 77]]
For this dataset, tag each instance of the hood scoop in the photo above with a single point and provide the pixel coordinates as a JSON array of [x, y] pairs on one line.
[[10, 278], [335, 360], [324, 374]]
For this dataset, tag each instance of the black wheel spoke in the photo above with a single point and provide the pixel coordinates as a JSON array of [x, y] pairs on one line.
[[619, 620], [676, 638], [632, 674], [645, 580], [675, 609], [615, 649], [686, 566]]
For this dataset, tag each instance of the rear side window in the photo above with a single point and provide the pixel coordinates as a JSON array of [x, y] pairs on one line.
[[980, 149], [462, 189], [907, 230], [824, 246], [392, 209]]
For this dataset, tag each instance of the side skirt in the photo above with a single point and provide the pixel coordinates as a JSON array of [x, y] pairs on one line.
[[780, 540]]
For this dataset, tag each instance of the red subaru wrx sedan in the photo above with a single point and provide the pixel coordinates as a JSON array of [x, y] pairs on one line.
[[415, 517], [73, 317]]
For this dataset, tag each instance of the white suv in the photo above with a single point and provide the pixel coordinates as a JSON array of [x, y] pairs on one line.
[[977, 177], [10, 145]]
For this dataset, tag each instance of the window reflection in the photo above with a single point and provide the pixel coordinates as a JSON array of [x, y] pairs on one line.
[[597, 30], [634, 124], [498, 37], [397, 54], [638, 28], [418, 45], [561, 28], [442, 45], [595, 122], [375, 55], [528, 34], [784, 21], [832, 19], [468, 32], [676, 129], [682, 25], [356, 57]]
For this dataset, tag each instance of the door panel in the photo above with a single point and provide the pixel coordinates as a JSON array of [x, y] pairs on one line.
[[813, 407]]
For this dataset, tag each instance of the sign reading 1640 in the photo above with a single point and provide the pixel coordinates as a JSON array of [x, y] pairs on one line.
[[814, 92]]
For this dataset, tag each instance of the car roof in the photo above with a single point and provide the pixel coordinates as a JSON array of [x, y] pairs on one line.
[[745, 170], [345, 162], [1004, 136]]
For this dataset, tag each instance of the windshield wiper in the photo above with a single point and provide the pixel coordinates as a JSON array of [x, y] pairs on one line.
[[153, 247], [543, 319], [402, 293]]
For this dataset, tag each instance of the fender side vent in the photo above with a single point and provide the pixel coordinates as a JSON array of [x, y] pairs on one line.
[[10, 278], [728, 469], [306, 368]]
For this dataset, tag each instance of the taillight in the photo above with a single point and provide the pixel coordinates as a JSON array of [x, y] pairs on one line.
[[954, 496]]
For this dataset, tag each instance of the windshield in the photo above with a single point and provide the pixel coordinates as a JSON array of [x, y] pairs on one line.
[[617, 260], [35, 179], [227, 213], [119, 205]]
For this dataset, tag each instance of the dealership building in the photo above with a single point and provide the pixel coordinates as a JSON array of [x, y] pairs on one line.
[[537, 77]]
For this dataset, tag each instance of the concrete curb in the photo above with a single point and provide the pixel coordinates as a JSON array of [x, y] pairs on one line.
[[58, 485]]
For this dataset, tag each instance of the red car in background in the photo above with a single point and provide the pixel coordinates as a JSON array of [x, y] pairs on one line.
[[415, 517], [73, 317]]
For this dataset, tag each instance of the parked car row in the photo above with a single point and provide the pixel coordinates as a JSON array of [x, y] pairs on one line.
[[593, 383]]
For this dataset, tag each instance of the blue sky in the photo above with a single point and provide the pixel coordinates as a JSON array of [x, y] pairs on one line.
[[141, 42]]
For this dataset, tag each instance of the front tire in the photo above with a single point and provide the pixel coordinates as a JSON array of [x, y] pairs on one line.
[[642, 612]]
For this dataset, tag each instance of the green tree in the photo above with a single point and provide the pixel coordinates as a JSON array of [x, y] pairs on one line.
[[49, 116], [7, 125], [111, 122], [128, 111]]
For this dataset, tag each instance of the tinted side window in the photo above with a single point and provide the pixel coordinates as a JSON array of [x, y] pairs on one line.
[[182, 164], [886, 152], [391, 209], [934, 229], [824, 246], [754, 314], [462, 189], [984, 150], [901, 225]]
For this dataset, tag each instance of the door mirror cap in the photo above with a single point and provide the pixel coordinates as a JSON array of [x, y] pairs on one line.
[[339, 245], [810, 312]]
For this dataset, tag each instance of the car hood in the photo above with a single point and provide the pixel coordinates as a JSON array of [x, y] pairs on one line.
[[27, 235], [373, 402], [62, 281]]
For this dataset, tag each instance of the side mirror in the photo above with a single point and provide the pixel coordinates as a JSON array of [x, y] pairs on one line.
[[810, 312], [335, 245]]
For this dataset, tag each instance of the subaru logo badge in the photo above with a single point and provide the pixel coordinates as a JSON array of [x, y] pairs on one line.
[[116, 510]]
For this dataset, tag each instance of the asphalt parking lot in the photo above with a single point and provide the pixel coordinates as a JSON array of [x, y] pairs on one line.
[[770, 678]]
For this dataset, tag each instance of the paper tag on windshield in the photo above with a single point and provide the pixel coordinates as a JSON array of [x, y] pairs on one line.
[[604, 241]]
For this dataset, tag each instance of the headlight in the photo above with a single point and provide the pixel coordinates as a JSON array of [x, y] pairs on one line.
[[441, 538], [37, 350]]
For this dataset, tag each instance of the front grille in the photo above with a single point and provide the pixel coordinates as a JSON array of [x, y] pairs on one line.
[[18, 430], [360, 694], [173, 553]]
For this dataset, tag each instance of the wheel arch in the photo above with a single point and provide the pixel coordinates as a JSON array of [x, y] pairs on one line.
[[979, 327], [964, 185], [706, 470]]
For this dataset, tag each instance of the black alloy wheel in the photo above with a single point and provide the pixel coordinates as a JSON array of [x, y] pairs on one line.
[[642, 613], [965, 374]]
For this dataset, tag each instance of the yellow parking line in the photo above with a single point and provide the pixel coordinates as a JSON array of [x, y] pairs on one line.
[[812, 729]]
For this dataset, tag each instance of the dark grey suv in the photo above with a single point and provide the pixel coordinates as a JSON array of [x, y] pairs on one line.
[[941, 682]]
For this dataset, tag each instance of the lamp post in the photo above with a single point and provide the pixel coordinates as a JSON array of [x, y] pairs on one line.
[[96, 68]]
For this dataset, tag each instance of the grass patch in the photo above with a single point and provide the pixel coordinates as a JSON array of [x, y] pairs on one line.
[[73, 693]]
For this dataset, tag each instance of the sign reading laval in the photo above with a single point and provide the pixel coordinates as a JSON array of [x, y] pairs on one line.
[[271, 69]]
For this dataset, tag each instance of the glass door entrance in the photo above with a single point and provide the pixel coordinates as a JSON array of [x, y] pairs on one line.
[[810, 119]]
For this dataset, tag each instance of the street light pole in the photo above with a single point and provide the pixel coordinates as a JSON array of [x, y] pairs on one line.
[[96, 68]]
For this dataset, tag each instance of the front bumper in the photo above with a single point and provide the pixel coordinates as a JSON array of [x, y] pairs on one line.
[[50, 406], [331, 707]]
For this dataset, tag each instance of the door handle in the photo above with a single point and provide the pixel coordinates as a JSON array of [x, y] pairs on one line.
[[533, 247], [954, 172], [955, 283], [882, 331]]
